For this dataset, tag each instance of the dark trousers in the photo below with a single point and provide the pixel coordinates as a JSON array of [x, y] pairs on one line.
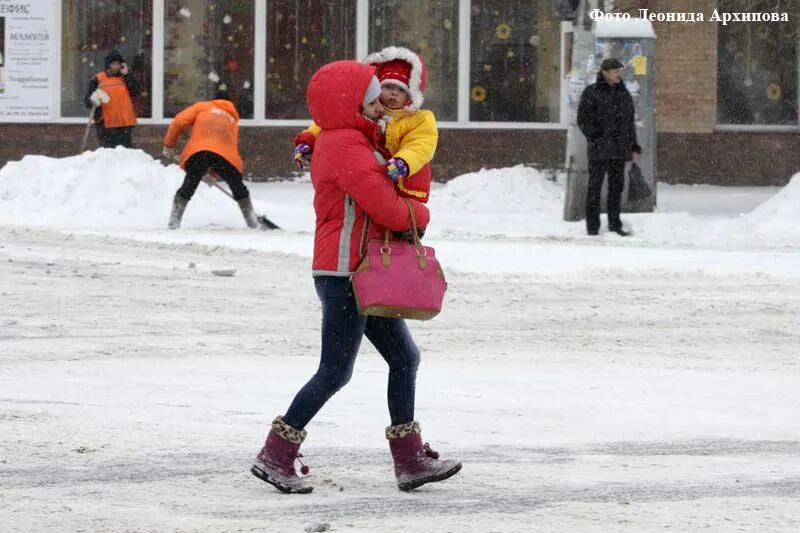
[[615, 168], [342, 330], [111, 137], [200, 163]]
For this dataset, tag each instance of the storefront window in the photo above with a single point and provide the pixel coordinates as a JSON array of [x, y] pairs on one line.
[[757, 67], [208, 46], [303, 35], [515, 61], [91, 29], [430, 28]]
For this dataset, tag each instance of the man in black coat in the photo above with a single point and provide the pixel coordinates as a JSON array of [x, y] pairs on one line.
[[606, 118]]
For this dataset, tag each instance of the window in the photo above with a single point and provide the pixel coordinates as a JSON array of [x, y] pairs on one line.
[[515, 61], [303, 35], [429, 28], [91, 29], [513, 70], [208, 46], [757, 66]]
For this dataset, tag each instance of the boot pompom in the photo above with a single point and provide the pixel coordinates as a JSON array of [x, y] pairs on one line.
[[430, 452]]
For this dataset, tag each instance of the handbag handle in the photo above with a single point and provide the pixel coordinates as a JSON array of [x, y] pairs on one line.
[[414, 230]]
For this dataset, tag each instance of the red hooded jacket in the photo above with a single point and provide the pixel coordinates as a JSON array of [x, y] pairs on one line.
[[349, 183]]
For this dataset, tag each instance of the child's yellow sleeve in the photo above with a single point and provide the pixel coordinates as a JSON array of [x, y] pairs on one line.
[[418, 144]]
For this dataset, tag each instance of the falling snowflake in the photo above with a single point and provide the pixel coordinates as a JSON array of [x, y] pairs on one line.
[[226, 19], [448, 25], [246, 85], [213, 76], [535, 40], [184, 12]]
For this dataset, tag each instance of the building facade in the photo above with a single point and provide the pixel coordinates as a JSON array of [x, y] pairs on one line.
[[726, 95]]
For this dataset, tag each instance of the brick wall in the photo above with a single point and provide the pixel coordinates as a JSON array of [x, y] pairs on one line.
[[686, 67], [724, 158], [267, 151]]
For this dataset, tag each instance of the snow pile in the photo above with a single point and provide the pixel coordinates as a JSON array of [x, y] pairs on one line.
[[516, 201], [120, 189], [776, 220], [516, 189], [107, 188]]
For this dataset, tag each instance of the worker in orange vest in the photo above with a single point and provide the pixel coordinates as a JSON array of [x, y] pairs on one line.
[[111, 95], [213, 147]]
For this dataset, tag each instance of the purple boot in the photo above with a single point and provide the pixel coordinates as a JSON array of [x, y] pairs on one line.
[[275, 461], [414, 463]]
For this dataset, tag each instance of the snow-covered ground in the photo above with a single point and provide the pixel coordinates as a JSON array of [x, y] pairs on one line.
[[606, 384]]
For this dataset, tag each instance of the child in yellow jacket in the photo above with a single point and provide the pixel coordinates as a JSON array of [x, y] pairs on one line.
[[410, 135]]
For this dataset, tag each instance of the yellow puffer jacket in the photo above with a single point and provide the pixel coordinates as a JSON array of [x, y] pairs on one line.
[[410, 135]]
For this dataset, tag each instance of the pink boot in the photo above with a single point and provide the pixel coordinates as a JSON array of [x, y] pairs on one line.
[[275, 461], [414, 463]]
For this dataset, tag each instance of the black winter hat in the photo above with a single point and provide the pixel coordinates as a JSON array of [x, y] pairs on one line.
[[112, 56], [611, 64], [222, 93]]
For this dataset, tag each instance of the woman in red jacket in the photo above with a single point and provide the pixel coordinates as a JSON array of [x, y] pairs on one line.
[[353, 200]]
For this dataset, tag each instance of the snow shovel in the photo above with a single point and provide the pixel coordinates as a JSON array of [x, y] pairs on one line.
[[263, 221], [88, 127]]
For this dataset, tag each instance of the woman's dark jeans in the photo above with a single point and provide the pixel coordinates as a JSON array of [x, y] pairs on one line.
[[342, 329]]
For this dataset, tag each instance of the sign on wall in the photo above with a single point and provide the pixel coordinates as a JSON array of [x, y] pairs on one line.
[[28, 68]]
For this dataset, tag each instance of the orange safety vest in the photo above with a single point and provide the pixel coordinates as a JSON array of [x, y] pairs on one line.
[[215, 128], [118, 112]]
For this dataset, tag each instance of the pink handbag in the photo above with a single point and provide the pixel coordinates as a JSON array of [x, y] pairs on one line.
[[400, 280]]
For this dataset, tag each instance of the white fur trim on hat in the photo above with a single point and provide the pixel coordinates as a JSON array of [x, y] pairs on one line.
[[391, 53]]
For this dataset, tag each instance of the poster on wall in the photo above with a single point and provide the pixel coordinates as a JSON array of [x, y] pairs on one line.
[[28, 70]]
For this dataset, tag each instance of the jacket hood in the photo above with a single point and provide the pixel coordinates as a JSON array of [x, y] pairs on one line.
[[335, 94], [419, 72], [227, 106]]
